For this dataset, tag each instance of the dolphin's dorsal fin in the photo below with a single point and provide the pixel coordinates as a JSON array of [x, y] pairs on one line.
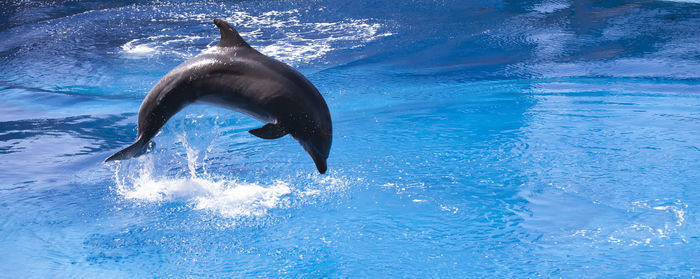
[[229, 36]]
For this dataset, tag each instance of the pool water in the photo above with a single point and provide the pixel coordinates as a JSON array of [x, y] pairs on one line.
[[471, 139]]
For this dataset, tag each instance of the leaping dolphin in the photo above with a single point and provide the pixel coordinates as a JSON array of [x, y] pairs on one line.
[[234, 75]]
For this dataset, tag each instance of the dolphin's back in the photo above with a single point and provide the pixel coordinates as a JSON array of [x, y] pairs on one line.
[[249, 81]]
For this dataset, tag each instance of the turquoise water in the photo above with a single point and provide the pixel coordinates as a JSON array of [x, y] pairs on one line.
[[471, 139]]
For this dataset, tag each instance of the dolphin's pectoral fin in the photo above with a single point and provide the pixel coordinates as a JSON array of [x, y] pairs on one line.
[[269, 131], [134, 150]]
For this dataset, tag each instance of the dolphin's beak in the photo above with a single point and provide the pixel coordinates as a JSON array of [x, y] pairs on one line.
[[320, 163], [319, 159]]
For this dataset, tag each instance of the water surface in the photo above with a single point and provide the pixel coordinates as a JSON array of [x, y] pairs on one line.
[[471, 139]]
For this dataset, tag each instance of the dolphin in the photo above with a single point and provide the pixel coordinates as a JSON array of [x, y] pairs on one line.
[[234, 75]]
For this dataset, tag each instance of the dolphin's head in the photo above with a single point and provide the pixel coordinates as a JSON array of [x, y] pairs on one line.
[[316, 139]]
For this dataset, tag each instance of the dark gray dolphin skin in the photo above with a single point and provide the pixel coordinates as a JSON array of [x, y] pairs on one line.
[[234, 75]]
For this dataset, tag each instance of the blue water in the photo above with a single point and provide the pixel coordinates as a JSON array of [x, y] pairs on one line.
[[471, 139]]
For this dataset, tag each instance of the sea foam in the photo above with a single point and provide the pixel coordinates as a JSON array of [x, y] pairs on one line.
[[283, 35]]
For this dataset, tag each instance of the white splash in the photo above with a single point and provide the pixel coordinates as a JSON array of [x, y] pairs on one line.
[[225, 197], [283, 35], [655, 223], [549, 7], [130, 47], [295, 41], [147, 180], [244, 199], [160, 45]]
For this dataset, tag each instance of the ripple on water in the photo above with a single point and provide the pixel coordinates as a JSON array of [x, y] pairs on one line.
[[284, 35]]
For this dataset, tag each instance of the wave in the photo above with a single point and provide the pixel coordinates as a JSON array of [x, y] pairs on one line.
[[279, 34], [653, 223], [180, 45]]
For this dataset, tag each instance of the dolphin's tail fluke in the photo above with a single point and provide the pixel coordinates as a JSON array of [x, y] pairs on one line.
[[134, 150]]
